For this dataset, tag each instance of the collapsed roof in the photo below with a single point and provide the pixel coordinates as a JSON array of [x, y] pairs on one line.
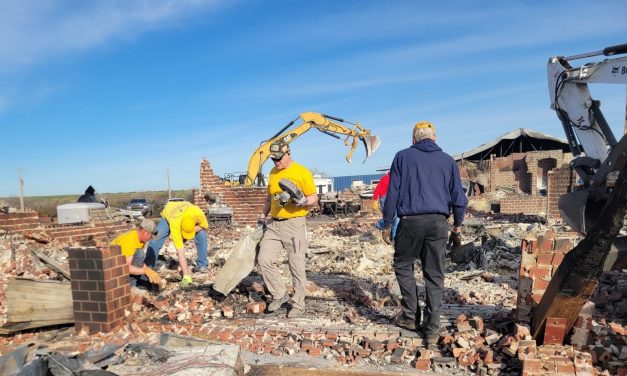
[[519, 140]]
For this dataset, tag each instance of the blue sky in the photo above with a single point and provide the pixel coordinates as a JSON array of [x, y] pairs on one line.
[[114, 93]]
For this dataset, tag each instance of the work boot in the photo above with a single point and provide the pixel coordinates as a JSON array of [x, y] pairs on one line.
[[294, 313], [430, 337], [200, 269], [406, 323], [277, 303]]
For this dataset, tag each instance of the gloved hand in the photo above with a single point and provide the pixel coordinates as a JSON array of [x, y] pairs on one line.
[[386, 233], [186, 281], [283, 198], [375, 205], [454, 240], [300, 201], [153, 276]]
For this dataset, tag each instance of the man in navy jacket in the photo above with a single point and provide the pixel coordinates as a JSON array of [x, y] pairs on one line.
[[425, 188]]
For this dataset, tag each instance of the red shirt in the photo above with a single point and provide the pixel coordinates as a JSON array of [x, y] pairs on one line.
[[382, 187]]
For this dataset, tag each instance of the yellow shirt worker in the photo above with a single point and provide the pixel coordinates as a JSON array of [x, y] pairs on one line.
[[182, 221], [287, 227], [131, 244]]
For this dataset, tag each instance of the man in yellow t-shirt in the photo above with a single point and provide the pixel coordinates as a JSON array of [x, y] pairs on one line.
[[286, 228], [132, 246], [182, 221]]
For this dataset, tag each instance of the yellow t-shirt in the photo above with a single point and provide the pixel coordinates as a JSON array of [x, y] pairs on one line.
[[175, 211], [300, 176], [128, 242]]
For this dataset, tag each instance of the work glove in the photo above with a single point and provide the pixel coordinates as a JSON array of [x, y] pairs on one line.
[[454, 240], [153, 276], [301, 201], [386, 234], [283, 198], [375, 205], [186, 281]]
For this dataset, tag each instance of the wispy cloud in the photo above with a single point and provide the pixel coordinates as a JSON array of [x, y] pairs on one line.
[[34, 31]]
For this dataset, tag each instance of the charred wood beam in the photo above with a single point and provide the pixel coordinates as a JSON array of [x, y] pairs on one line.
[[578, 274]]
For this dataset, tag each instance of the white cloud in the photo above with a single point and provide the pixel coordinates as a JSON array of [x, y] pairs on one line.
[[35, 31]]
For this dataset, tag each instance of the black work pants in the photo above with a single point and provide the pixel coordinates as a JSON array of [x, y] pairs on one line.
[[421, 237]]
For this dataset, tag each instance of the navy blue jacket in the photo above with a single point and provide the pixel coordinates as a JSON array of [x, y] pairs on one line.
[[424, 180]]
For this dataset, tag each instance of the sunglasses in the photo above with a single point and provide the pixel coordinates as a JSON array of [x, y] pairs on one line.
[[277, 159]]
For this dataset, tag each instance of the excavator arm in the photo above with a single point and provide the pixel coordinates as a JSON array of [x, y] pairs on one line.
[[598, 208], [327, 124], [598, 155]]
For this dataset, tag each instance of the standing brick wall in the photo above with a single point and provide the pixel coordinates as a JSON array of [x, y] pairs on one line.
[[559, 180], [510, 171], [100, 287], [540, 259], [529, 205], [19, 222], [28, 222], [103, 231], [247, 202]]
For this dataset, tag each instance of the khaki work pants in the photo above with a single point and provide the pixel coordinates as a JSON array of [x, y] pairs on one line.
[[290, 234]]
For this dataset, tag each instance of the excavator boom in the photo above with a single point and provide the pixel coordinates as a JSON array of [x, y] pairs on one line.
[[330, 125], [597, 209]]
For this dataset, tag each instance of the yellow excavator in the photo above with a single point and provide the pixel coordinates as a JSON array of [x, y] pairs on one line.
[[327, 124]]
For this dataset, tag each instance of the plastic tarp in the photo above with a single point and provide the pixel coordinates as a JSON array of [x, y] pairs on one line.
[[240, 263]]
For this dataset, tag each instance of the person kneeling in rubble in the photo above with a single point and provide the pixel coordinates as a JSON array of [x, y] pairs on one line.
[[287, 228], [132, 243], [182, 221]]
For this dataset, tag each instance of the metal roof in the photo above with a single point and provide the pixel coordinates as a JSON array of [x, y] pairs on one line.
[[517, 141]]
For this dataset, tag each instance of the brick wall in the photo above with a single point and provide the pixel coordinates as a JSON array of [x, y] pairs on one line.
[[510, 171], [246, 202], [100, 287], [19, 222], [529, 205], [103, 231], [529, 172], [540, 259], [558, 182], [28, 222]]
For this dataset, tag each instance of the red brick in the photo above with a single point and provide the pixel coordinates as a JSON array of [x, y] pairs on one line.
[[314, 351], [423, 364], [554, 331], [544, 258], [563, 245], [531, 367], [545, 245], [256, 307], [542, 272], [557, 259]]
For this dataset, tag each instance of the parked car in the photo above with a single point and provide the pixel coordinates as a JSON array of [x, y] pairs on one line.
[[142, 205]]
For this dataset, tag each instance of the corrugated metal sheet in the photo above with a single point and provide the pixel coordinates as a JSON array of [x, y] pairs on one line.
[[340, 183]]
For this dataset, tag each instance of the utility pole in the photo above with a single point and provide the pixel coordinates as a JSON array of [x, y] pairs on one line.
[[169, 189], [21, 185], [625, 130]]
